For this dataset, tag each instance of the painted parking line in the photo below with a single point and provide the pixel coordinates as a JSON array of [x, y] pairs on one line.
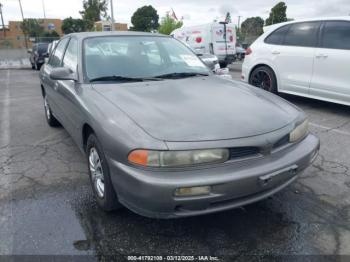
[[330, 129]]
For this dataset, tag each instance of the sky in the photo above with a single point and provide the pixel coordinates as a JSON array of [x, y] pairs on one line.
[[193, 12]]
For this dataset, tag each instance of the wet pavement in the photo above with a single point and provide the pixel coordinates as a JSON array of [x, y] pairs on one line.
[[47, 207]]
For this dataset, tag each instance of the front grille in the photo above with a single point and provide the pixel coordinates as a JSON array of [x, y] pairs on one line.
[[239, 152], [283, 141]]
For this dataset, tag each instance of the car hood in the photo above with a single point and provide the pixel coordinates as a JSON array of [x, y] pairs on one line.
[[199, 108]]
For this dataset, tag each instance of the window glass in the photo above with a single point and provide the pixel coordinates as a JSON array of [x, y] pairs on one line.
[[42, 48], [302, 34], [70, 59], [136, 56], [336, 34], [56, 57], [277, 36]]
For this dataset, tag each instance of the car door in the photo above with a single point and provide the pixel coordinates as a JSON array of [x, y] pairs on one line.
[[69, 91], [52, 85], [293, 55], [331, 77]]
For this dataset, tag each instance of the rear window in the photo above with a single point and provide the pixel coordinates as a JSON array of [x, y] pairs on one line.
[[336, 35], [42, 48], [302, 34]]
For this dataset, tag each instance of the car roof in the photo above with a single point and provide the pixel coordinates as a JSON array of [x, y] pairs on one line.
[[83, 35], [275, 26]]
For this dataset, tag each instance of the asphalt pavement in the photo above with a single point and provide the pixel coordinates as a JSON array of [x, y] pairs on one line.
[[47, 207]]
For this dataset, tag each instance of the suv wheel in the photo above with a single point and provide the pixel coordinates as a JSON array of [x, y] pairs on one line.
[[264, 78]]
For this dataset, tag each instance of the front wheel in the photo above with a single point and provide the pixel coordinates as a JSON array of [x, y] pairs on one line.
[[264, 78], [99, 176], [50, 118]]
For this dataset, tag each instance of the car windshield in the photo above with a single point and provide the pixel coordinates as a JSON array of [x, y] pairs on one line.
[[42, 48], [139, 57]]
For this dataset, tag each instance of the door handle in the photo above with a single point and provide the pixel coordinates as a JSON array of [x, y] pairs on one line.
[[276, 52], [321, 56]]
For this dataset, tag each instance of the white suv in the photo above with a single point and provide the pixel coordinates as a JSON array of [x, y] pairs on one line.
[[308, 58]]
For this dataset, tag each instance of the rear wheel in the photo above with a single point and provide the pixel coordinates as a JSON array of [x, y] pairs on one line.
[[264, 78], [51, 120], [99, 176]]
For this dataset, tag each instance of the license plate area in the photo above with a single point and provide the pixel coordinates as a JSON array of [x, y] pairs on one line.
[[278, 176]]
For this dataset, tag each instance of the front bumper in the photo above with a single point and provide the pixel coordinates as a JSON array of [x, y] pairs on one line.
[[151, 192]]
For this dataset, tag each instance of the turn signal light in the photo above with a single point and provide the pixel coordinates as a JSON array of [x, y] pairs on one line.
[[139, 157]]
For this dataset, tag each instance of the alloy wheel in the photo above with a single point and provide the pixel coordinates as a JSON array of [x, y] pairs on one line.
[[96, 172]]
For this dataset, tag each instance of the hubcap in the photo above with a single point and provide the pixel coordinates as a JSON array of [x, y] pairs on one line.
[[96, 172], [262, 79], [47, 108]]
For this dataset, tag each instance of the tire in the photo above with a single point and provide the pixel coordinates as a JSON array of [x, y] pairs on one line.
[[264, 77], [107, 199], [51, 120], [223, 64], [37, 66]]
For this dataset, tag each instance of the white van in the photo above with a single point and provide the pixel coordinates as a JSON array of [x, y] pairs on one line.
[[210, 39]]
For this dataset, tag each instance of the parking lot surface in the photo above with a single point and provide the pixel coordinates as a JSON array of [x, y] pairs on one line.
[[47, 208]]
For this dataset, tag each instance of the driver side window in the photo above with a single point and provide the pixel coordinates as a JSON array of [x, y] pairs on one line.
[[56, 57]]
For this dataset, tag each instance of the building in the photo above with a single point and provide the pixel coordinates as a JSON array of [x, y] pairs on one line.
[[107, 26], [15, 37]]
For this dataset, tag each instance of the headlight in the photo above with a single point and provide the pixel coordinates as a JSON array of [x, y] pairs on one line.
[[299, 132], [153, 158]]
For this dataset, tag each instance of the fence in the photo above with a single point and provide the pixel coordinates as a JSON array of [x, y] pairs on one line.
[[14, 50]]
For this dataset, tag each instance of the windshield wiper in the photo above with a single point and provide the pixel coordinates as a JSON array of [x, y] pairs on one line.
[[181, 75], [124, 78]]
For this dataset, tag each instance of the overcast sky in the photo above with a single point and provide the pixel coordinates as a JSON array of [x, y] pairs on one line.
[[193, 12]]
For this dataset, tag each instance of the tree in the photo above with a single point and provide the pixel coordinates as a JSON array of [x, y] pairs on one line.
[[169, 24], [251, 28], [52, 34], [145, 19], [72, 25], [278, 14], [93, 11], [32, 28]]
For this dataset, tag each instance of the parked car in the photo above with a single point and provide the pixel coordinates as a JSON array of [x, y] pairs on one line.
[[308, 58], [240, 52], [38, 53], [162, 134], [210, 39]]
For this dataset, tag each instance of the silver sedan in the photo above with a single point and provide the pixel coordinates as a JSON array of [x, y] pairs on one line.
[[162, 134]]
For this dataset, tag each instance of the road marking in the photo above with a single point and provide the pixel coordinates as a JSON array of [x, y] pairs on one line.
[[331, 129], [6, 215], [5, 113]]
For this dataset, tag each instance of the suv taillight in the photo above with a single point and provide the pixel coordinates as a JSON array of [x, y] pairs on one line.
[[248, 51]]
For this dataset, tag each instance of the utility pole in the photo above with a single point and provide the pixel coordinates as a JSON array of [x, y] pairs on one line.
[[44, 8], [239, 21], [2, 21], [112, 16], [25, 36]]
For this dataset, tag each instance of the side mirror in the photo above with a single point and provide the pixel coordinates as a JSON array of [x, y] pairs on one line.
[[62, 73], [29, 51]]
